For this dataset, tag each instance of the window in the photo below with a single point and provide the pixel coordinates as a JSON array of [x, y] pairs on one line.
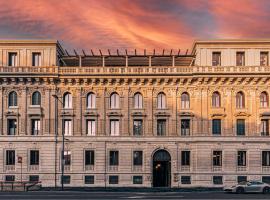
[[240, 100], [241, 179], [161, 127], [35, 126], [185, 102], [91, 100], [264, 59], [114, 101], [114, 158], [36, 98], [36, 59], [240, 127], [216, 100], [66, 179], [217, 180], [266, 179], [216, 126], [161, 101], [137, 179], [89, 179], [137, 158], [10, 157], [113, 179], [12, 126], [67, 158], [34, 157], [185, 127], [114, 127], [9, 178], [12, 59], [67, 100], [264, 127], [34, 178], [67, 127], [137, 127], [91, 127], [217, 158], [185, 158], [216, 58], [240, 58], [138, 101], [12, 99], [241, 158], [264, 100], [185, 180], [89, 157], [266, 158]]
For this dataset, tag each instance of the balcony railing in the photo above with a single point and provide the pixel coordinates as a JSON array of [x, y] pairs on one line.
[[29, 70], [9, 167]]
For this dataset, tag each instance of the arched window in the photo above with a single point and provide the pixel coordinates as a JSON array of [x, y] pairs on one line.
[[67, 100], [12, 99], [240, 100], [114, 100], [161, 101], [264, 100], [36, 98], [138, 100], [216, 99], [91, 100], [185, 102]]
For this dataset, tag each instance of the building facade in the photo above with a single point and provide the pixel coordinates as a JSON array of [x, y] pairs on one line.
[[141, 120]]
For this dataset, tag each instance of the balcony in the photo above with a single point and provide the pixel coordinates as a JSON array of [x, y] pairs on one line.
[[4, 71], [217, 168], [185, 168], [9, 167], [137, 168], [266, 169], [241, 168], [113, 168], [33, 167], [89, 167]]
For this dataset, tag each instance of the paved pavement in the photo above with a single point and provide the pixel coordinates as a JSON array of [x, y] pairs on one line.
[[126, 195]]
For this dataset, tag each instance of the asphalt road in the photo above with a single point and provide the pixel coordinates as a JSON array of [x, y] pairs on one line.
[[126, 195]]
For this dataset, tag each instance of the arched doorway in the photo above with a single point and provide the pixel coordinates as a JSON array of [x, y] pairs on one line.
[[161, 169]]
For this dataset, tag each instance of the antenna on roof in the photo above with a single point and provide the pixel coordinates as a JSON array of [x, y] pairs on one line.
[[100, 52], [109, 52], [67, 52], [92, 52], [135, 52], [171, 53], [75, 52], [163, 52], [154, 52], [117, 52], [179, 51], [126, 52], [145, 52], [83, 52], [187, 52]]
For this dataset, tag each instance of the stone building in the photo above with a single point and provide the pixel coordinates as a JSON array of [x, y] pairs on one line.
[[140, 120]]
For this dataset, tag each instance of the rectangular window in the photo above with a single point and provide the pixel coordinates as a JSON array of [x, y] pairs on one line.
[[114, 127], [67, 126], [241, 179], [216, 126], [137, 127], [217, 158], [66, 179], [10, 157], [240, 127], [137, 158], [91, 127], [35, 126], [114, 158], [266, 179], [185, 180], [113, 179], [34, 157], [67, 158], [240, 58], [10, 178], [217, 180], [241, 158], [12, 59], [185, 158], [34, 178], [216, 58], [89, 179], [185, 127], [36, 59], [161, 127], [12, 126], [264, 127], [89, 157], [266, 158], [137, 179], [264, 59]]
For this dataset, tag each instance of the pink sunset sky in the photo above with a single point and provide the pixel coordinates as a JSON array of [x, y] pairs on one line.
[[130, 24]]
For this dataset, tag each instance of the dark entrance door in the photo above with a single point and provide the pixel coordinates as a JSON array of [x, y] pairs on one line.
[[161, 169]]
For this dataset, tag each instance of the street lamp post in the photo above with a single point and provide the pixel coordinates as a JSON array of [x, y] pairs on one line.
[[63, 147]]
